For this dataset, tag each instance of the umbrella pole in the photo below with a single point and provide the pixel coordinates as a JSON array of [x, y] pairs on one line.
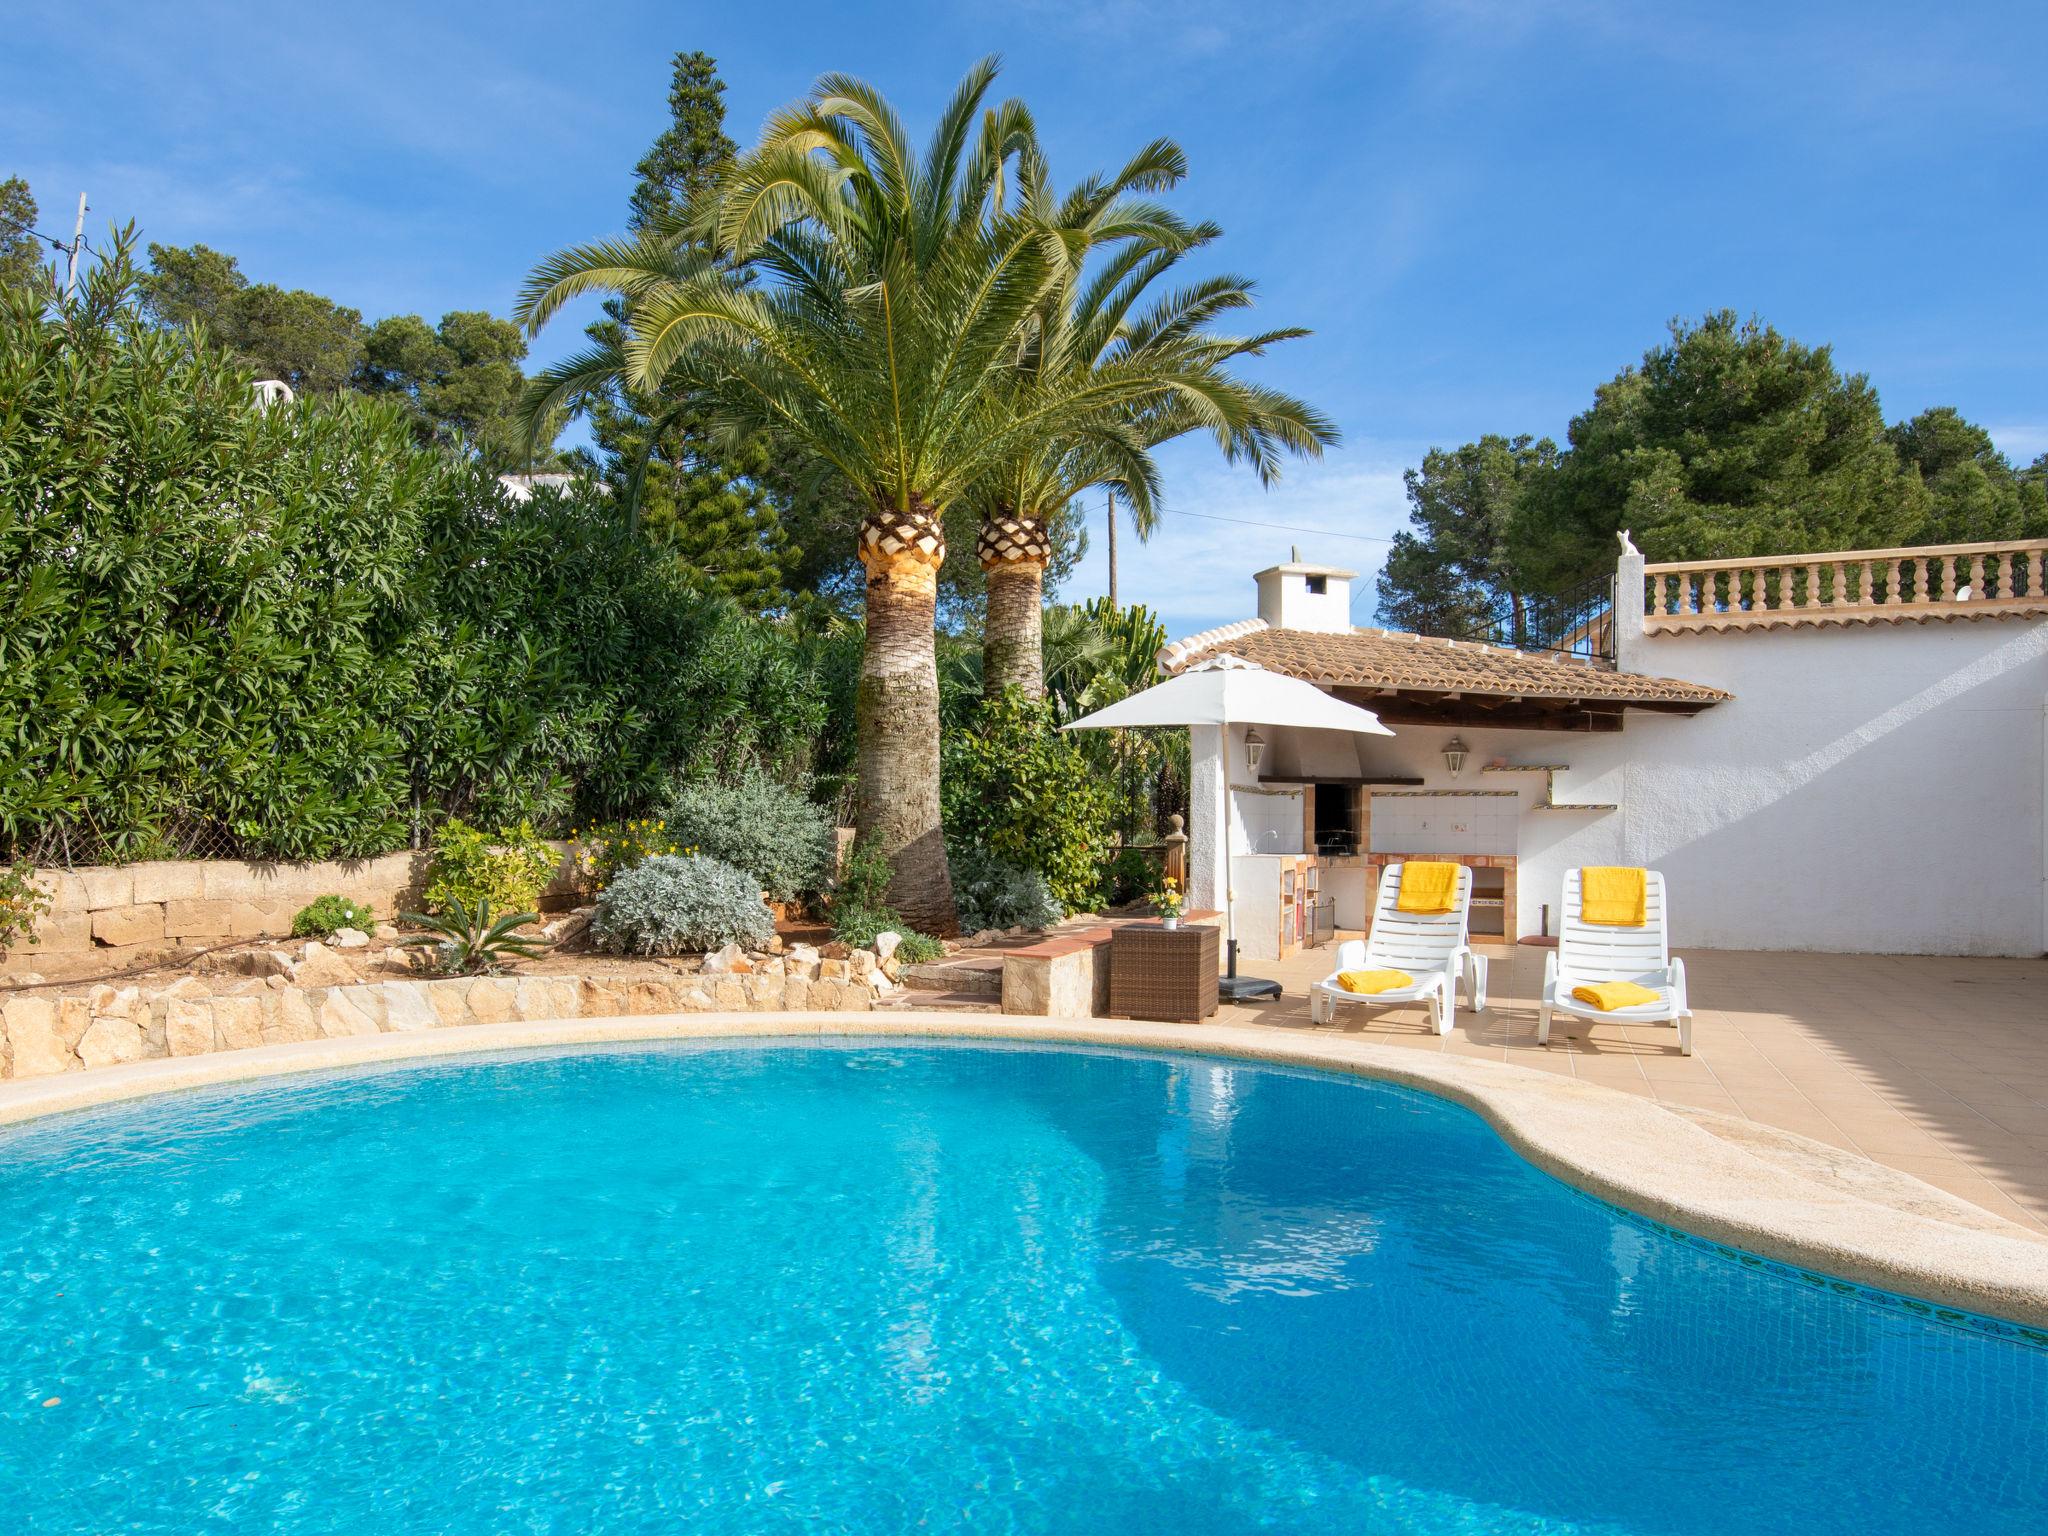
[[1234, 988]]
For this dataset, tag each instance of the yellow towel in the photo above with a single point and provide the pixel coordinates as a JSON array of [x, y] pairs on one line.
[[1610, 995], [1613, 898], [1374, 981], [1427, 887]]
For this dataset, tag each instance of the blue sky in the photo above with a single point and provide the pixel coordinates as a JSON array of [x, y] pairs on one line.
[[1483, 208]]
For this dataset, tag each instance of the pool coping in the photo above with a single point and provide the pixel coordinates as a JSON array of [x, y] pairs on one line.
[[1771, 1193]]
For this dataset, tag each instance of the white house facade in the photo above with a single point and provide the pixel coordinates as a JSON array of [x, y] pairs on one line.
[[1837, 752]]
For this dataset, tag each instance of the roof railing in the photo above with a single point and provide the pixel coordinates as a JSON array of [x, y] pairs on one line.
[[1935, 581]]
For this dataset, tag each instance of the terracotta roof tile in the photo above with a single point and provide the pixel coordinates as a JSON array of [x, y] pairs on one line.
[[1392, 658]]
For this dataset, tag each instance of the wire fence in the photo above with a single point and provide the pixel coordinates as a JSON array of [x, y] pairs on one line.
[[74, 845]]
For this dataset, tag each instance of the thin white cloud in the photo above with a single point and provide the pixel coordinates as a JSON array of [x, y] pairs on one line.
[[1196, 570]]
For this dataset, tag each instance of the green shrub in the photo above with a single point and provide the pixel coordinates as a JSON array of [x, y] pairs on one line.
[[858, 926], [758, 825], [1130, 875], [468, 941], [506, 871], [1019, 790], [603, 853], [293, 632], [22, 905], [323, 916], [864, 877], [675, 905], [992, 894]]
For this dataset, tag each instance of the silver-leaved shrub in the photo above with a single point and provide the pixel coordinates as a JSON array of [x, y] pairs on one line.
[[676, 904]]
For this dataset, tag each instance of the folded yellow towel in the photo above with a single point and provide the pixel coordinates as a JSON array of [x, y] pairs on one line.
[[1610, 995], [1374, 981], [1613, 898], [1427, 887]]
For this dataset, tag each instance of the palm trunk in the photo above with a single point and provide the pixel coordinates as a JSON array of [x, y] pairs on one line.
[[1013, 549], [897, 713]]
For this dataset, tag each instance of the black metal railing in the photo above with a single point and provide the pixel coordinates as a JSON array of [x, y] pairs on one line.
[[1575, 622]]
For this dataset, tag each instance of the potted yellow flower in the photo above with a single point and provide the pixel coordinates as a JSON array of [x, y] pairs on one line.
[[1169, 903]]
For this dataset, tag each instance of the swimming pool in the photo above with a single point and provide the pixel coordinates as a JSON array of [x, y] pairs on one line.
[[885, 1288]]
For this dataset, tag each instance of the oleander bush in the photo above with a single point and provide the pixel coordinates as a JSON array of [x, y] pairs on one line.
[[325, 916], [1025, 794], [753, 823], [23, 904], [293, 632], [675, 904], [504, 871], [992, 894]]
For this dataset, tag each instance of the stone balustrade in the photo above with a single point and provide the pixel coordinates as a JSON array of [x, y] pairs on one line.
[[1856, 586]]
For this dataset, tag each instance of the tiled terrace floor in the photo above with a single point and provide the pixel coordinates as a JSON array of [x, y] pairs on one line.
[[1935, 1066]]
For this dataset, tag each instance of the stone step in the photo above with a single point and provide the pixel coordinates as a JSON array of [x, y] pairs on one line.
[[982, 975], [949, 1002]]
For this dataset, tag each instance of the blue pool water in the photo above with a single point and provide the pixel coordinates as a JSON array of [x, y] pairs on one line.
[[889, 1289]]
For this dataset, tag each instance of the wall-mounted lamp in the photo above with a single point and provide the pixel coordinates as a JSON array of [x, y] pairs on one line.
[[1254, 749], [1454, 755]]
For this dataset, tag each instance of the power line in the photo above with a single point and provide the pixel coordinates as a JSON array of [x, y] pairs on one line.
[[1248, 522]]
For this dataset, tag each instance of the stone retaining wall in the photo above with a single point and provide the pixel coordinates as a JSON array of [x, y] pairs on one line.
[[208, 901], [109, 1025]]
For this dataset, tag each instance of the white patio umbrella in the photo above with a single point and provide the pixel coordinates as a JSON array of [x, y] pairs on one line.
[[1226, 691]]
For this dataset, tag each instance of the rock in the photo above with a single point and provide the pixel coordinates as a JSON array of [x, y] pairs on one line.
[[834, 969], [319, 966], [774, 943], [863, 964], [108, 1041], [350, 938], [729, 993], [114, 1002], [22, 979], [188, 1027], [886, 942], [729, 961], [344, 1011], [888, 968], [569, 927], [385, 931], [237, 1023], [296, 1017], [38, 1048], [803, 953], [407, 1007], [883, 984], [838, 949], [493, 1001], [244, 962], [447, 1000], [982, 939]]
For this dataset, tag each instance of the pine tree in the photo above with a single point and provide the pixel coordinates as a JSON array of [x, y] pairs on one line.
[[717, 509]]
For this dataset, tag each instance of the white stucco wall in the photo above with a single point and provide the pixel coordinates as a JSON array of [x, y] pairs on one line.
[[1869, 789]]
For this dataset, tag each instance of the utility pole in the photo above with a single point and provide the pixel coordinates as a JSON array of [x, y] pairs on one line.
[[77, 240], [1112, 551]]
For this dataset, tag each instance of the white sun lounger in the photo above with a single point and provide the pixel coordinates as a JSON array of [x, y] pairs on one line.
[[1430, 946], [1591, 952]]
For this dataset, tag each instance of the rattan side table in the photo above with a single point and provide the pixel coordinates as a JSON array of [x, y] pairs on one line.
[[1161, 973]]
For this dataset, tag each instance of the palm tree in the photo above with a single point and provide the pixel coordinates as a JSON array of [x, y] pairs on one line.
[[1088, 326], [869, 305]]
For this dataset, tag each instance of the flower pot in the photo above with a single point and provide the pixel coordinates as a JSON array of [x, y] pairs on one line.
[[1170, 924]]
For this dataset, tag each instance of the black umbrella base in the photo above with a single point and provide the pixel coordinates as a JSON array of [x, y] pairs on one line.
[[1245, 989]]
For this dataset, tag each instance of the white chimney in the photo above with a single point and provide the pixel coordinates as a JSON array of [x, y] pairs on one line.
[[1299, 595]]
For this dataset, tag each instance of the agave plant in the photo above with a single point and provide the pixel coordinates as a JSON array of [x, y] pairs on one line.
[[470, 942]]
